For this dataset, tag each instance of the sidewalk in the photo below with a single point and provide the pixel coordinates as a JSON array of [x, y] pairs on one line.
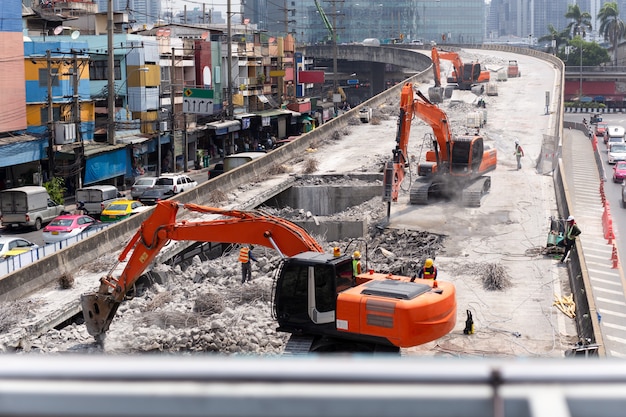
[[606, 284]]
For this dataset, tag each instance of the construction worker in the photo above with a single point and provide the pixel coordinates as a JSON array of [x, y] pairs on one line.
[[571, 231], [519, 152], [428, 271], [356, 263], [245, 256]]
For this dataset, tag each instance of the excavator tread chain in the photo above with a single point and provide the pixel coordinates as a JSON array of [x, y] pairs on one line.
[[298, 345], [473, 193], [418, 194]]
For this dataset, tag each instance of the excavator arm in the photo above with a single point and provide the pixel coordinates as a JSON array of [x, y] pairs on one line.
[[394, 171], [156, 231]]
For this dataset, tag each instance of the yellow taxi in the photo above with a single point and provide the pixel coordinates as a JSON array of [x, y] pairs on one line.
[[121, 209]]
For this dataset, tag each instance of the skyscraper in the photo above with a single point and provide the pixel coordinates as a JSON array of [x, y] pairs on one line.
[[140, 12]]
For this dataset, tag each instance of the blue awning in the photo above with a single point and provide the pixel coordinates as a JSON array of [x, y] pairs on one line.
[[22, 149], [105, 165]]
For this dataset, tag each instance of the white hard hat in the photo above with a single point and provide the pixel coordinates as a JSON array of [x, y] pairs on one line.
[[570, 218], [517, 142]]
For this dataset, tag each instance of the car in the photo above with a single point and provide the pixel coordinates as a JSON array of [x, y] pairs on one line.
[[155, 194], [619, 172], [617, 152], [121, 209], [11, 246], [178, 183], [141, 185], [601, 128], [218, 169], [66, 226]]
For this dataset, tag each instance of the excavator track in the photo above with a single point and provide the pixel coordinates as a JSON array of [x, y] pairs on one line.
[[418, 194], [474, 192]]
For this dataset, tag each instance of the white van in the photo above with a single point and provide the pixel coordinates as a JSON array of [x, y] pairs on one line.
[[96, 197], [615, 135], [28, 206]]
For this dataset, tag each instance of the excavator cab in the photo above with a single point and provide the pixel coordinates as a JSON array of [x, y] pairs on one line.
[[306, 290]]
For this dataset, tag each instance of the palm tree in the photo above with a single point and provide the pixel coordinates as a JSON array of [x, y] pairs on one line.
[[581, 21], [554, 35], [611, 26]]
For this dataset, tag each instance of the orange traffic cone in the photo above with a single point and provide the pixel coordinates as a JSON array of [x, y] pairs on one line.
[[614, 257]]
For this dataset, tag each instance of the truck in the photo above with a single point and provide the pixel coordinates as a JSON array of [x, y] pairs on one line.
[[317, 297], [93, 199], [28, 206]]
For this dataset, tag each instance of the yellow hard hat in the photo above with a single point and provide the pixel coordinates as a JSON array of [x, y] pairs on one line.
[[428, 263], [356, 254]]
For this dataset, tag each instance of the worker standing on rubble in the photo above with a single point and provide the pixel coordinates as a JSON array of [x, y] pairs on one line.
[[245, 256], [428, 271], [571, 231], [356, 263], [519, 152]]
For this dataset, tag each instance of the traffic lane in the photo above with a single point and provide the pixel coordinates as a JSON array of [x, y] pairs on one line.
[[36, 236], [613, 191], [29, 234]]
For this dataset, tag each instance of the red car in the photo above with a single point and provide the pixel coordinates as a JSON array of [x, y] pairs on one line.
[[619, 171]]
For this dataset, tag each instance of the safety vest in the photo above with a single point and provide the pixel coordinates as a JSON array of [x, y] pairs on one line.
[[356, 267], [244, 255], [518, 150], [430, 273]]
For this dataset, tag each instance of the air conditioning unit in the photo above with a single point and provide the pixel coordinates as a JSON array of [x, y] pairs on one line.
[[163, 126], [64, 133]]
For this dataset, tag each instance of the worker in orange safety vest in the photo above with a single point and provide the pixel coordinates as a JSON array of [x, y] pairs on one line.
[[245, 256]]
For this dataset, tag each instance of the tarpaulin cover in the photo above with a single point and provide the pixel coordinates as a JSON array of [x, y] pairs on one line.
[[21, 152], [105, 165]]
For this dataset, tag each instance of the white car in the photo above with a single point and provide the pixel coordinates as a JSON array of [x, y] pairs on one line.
[[617, 152], [177, 183], [11, 246]]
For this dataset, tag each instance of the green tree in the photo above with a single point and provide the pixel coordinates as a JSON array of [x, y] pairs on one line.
[[581, 21], [612, 28], [592, 54], [561, 38], [56, 189]]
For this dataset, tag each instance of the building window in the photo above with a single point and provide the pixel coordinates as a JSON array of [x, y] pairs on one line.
[[56, 114], [43, 76], [98, 70]]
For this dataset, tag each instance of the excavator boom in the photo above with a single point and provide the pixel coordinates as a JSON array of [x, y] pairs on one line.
[[316, 294], [240, 226]]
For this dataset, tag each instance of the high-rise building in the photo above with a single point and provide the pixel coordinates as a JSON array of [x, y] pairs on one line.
[[523, 18], [352, 21], [140, 12]]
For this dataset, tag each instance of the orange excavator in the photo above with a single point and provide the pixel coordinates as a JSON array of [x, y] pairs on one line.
[[465, 76], [455, 166], [316, 297]]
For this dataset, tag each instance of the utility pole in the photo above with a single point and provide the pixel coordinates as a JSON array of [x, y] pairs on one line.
[[76, 97], [50, 117], [173, 114], [110, 76], [229, 73]]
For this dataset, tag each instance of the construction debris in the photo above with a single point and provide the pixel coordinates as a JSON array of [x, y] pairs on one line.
[[566, 305]]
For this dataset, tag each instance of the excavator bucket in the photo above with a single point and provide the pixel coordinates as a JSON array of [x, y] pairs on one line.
[[436, 94], [98, 312]]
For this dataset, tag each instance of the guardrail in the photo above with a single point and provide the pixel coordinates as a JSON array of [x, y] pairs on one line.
[[17, 262]]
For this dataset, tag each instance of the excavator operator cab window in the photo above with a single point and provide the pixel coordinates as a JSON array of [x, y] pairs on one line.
[[325, 295]]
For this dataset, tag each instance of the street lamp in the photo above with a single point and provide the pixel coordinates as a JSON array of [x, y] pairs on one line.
[[580, 30]]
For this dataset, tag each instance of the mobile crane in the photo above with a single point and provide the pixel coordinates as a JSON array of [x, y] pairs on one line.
[[315, 295], [456, 165]]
